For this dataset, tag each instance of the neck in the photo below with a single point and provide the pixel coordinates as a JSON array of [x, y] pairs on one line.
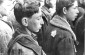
[[28, 31], [64, 17]]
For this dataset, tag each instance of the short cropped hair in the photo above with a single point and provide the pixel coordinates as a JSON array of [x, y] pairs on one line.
[[24, 10], [63, 3]]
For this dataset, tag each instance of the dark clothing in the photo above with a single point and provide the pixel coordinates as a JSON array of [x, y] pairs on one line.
[[46, 17], [59, 39], [79, 30], [84, 36], [23, 43]]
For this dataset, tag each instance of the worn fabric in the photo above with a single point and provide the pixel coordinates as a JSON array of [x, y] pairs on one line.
[[6, 32], [79, 30], [57, 21], [59, 38], [46, 13], [24, 44]]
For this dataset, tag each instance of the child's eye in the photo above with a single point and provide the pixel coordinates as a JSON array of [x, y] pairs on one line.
[[75, 7], [38, 18]]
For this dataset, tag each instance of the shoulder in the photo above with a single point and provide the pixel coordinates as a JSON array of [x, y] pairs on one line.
[[6, 27], [5, 32], [17, 47], [59, 31]]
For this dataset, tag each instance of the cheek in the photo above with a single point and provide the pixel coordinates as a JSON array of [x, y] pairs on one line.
[[32, 26], [71, 13], [36, 24]]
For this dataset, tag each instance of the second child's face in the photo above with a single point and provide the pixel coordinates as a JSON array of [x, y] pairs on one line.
[[35, 23], [72, 12]]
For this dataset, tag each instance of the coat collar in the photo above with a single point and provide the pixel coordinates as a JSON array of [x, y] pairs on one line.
[[22, 30], [28, 40], [46, 13], [44, 8], [62, 23]]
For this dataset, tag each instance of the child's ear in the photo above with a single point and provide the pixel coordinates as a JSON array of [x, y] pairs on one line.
[[64, 10], [25, 21]]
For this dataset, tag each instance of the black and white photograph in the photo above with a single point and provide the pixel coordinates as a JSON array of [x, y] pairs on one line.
[[42, 27]]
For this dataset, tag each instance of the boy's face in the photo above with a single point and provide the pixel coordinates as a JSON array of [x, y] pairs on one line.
[[53, 9], [72, 12], [35, 22]]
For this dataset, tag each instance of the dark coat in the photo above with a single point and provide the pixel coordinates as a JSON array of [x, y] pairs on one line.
[[59, 38], [46, 17], [79, 30], [23, 43]]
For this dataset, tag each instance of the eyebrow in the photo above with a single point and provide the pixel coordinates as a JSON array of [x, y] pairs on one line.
[[39, 16]]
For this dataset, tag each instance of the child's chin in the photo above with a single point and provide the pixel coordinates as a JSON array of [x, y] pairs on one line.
[[37, 31]]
